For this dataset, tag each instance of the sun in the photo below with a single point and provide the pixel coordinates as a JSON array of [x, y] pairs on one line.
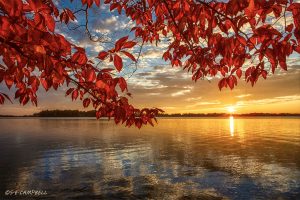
[[230, 109]]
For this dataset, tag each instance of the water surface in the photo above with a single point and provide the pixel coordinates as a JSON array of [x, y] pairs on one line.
[[205, 158]]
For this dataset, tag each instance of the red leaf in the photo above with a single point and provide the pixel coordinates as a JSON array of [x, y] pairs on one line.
[[289, 28], [118, 62], [70, 14], [79, 57], [138, 123], [101, 84], [129, 44], [4, 95], [9, 81], [97, 2], [86, 102], [24, 99], [1, 99], [150, 2], [264, 74], [297, 49], [35, 5], [106, 70], [74, 95], [39, 49], [7, 97], [89, 3], [113, 6], [50, 22], [239, 73], [119, 8], [230, 82], [242, 40], [69, 91], [120, 43], [122, 84], [91, 75], [45, 84], [283, 65], [250, 9], [166, 55], [102, 55], [150, 121], [129, 55], [222, 83]]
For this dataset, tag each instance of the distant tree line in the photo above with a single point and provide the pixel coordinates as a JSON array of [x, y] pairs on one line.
[[226, 114], [65, 113], [92, 113]]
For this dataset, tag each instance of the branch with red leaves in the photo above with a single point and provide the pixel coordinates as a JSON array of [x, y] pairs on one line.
[[211, 38], [34, 55], [208, 39]]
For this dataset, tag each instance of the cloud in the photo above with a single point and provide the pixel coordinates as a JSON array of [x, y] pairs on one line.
[[243, 95], [180, 93], [194, 99], [168, 108], [155, 77], [154, 94], [279, 99], [204, 103], [152, 53], [98, 48]]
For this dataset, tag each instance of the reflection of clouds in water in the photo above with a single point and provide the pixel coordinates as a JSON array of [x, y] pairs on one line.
[[121, 170], [117, 171], [272, 176], [178, 158]]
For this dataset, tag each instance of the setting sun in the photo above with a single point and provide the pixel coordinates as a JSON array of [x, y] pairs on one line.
[[231, 109]]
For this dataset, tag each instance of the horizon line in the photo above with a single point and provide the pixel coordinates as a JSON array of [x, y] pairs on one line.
[[89, 113]]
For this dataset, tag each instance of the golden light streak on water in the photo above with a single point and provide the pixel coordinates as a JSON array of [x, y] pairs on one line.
[[231, 125]]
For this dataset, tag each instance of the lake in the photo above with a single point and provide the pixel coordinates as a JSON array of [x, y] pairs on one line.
[[190, 158]]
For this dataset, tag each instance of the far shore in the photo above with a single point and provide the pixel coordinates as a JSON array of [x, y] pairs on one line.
[[77, 113]]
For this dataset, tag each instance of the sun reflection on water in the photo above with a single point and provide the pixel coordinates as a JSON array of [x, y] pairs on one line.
[[231, 125]]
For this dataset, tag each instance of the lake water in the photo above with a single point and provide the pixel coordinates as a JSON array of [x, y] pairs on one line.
[[205, 158]]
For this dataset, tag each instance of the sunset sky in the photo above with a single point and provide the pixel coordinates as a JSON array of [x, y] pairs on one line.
[[156, 84]]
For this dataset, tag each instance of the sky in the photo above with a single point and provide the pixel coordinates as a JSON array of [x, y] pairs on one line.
[[154, 83]]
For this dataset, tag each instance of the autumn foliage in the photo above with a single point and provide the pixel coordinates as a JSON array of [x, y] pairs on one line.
[[208, 38]]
